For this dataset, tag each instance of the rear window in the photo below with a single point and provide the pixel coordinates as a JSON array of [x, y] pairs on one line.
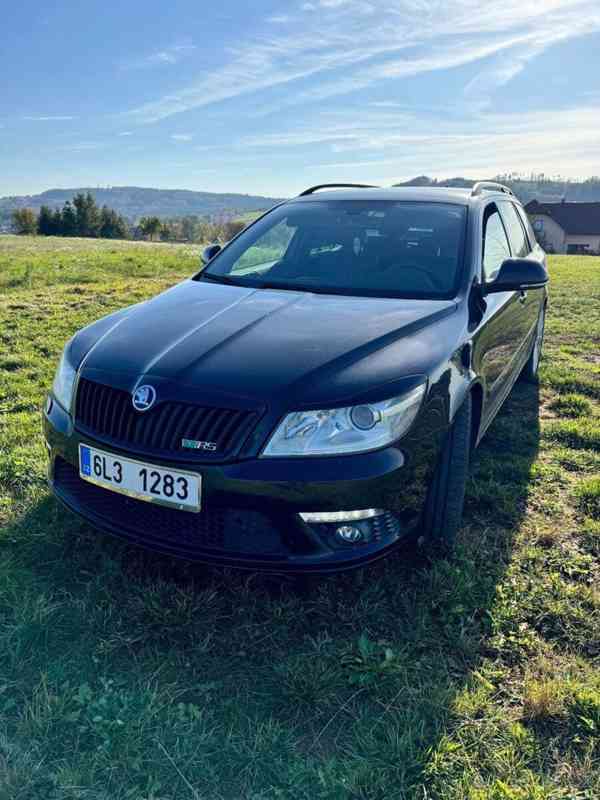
[[514, 227]]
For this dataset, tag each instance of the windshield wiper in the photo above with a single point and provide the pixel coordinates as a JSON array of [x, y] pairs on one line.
[[207, 276]]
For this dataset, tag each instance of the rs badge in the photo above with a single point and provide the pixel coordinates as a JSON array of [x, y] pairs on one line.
[[193, 444]]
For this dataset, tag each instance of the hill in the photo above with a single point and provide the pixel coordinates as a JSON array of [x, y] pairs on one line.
[[546, 190], [136, 201]]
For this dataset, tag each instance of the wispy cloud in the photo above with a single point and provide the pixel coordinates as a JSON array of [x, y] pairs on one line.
[[502, 70], [479, 146], [182, 137], [82, 147], [353, 45], [49, 118], [164, 56]]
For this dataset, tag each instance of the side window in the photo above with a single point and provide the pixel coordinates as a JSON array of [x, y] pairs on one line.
[[514, 227], [495, 246], [266, 250], [527, 224]]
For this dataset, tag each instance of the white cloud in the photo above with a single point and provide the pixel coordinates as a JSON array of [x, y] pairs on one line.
[[125, 133], [172, 54], [507, 66], [167, 55], [182, 137], [55, 118], [383, 151], [81, 147], [351, 48]]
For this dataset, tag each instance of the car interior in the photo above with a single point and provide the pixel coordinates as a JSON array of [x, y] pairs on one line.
[[409, 250]]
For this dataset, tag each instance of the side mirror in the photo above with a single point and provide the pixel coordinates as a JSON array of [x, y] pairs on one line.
[[209, 252], [518, 273]]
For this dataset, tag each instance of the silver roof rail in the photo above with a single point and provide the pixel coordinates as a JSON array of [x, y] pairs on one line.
[[490, 186], [314, 189]]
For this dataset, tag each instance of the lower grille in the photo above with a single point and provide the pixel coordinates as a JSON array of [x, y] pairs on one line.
[[245, 532], [107, 413]]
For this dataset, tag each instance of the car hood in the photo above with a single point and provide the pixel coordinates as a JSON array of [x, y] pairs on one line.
[[266, 345]]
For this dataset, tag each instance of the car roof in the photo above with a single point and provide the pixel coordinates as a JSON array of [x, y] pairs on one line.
[[435, 194]]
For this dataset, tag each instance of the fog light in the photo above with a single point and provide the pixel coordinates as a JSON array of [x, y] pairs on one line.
[[349, 534]]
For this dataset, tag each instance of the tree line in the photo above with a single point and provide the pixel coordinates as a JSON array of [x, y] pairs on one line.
[[80, 217], [191, 229], [83, 217]]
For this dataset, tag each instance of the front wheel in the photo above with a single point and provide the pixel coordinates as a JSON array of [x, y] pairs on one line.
[[445, 499], [530, 370]]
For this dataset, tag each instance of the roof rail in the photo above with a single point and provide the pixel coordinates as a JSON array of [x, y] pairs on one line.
[[314, 189], [490, 186]]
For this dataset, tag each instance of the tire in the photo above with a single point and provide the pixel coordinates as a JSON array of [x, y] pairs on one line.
[[529, 373], [446, 496]]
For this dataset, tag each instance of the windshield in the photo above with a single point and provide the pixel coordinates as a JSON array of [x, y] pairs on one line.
[[381, 248]]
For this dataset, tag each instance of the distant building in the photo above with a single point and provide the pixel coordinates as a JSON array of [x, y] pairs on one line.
[[566, 227]]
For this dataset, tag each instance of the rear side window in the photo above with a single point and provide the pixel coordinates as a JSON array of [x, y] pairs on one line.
[[514, 227], [495, 246], [525, 220]]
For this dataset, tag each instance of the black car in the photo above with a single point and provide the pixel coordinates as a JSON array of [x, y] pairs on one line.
[[311, 397]]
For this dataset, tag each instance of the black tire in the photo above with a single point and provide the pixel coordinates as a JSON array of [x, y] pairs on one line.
[[445, 500], [529, 373]]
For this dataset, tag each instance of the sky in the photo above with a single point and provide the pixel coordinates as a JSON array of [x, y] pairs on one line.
[[270, 97]]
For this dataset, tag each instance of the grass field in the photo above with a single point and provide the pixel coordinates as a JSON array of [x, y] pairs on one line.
[[128, 676]]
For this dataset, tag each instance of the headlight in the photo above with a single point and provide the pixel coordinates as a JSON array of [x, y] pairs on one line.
[[64, 380], [353, 429]]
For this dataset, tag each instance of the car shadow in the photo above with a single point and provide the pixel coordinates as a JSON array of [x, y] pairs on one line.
[[374, 659]]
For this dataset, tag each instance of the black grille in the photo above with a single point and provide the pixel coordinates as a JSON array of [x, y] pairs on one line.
[[183, 533], [108, 413]]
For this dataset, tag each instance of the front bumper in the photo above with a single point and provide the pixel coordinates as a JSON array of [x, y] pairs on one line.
[[250, 508]]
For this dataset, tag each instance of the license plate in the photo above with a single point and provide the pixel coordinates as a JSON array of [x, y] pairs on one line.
[[137, 479]]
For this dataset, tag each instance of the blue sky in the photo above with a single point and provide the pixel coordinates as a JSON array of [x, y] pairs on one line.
[[269, 97]]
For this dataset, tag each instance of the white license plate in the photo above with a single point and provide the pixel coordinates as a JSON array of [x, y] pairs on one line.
[[140, 480]]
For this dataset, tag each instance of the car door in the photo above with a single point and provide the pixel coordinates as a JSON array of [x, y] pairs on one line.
[[500, 333], [530, 300], [536, 297]]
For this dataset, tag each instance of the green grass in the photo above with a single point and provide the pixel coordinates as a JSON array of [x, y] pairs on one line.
[[128, 676]]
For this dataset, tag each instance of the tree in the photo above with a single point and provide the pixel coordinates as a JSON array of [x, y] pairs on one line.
[[69, 220], [57, 227], [45, 223], [112, 225], [87, 214], [232, 228], [189, 226], [24, 221], [204, 232], [93, 216], [80, 213], [150, 226]]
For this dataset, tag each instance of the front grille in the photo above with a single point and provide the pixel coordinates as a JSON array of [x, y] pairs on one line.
[[108, 413], [182, 533]]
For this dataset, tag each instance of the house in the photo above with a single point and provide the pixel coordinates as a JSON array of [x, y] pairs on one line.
[[566, 227]]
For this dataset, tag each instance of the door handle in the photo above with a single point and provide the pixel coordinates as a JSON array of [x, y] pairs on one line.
[[522, 296]]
